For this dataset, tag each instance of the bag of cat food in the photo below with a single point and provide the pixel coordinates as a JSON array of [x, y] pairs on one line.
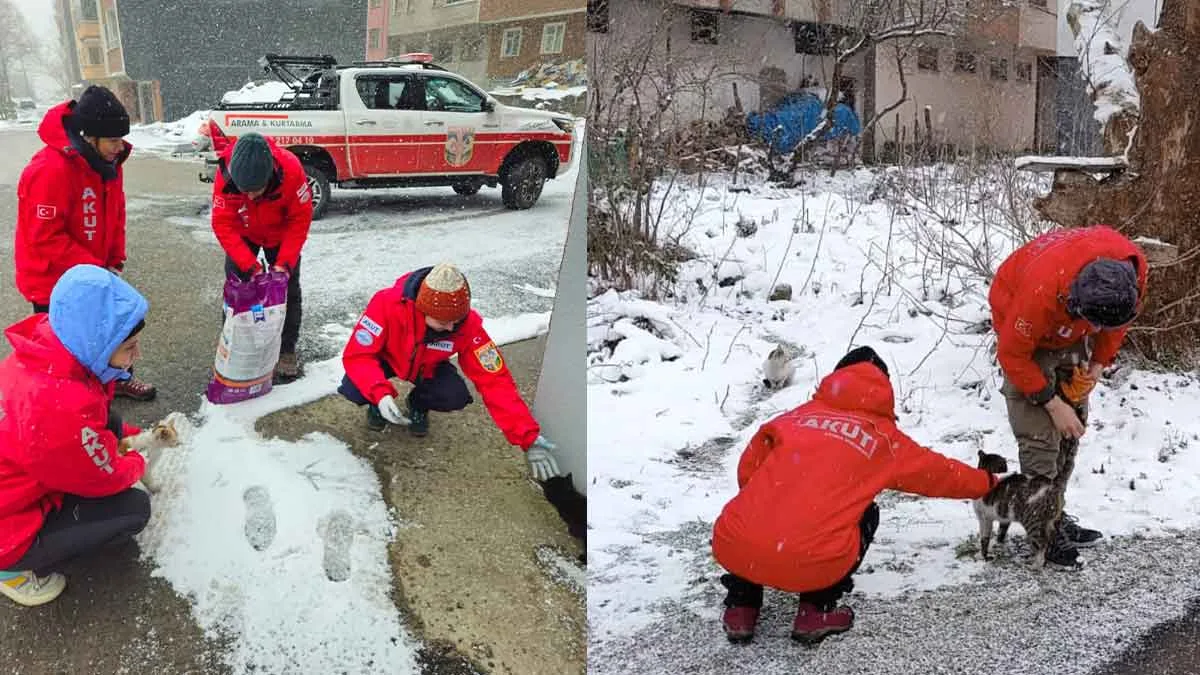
[[250, 337]]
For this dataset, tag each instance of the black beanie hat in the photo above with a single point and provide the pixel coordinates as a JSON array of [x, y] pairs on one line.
[[1105, 293], [251, 165], [861, 355], [99, 113]]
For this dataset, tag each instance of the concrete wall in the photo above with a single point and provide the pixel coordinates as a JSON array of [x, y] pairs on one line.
[[560, 405], [419, 16], [968, 109], [745, 46], [502, 10]]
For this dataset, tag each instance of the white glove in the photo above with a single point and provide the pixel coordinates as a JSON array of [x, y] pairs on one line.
[[540, 457], [391, 411]]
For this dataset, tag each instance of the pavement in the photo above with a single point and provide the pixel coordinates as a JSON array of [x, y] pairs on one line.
[[488, 523]]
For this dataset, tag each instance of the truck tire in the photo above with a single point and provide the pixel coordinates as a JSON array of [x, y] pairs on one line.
[[522, 184], [318, 184], [467, 188]]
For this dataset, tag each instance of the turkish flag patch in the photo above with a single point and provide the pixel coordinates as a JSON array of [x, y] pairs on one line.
[[46, 211]]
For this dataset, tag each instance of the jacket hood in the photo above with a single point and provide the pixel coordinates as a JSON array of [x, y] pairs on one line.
[[92, 311], [410, 283], [861, 387], [55, 133]]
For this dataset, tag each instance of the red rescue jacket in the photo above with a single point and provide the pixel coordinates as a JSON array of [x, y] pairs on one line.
[[67, 213], [53, 440], [279, 218], [808, 475], [391, 330], [1029, 300]]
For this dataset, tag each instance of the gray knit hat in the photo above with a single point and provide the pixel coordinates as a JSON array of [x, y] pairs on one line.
[[1105, 293], [251, 164]]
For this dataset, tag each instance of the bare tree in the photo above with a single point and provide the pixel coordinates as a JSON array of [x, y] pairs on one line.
[[893, 29], [16, 41], [645, 85]]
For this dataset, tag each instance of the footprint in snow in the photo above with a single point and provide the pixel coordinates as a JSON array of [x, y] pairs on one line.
[[260, 517], [337, 530]]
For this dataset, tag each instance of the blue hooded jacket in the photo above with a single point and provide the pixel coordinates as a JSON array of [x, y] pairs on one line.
[[92, 311]]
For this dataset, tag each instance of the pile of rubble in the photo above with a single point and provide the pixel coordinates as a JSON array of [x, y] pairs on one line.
[[553, 75]]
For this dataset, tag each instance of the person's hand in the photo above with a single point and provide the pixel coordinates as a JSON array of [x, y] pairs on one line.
[[1065, 420], [391, 411], [257, 269], [540, 457], [280, 268], [1076, 389]]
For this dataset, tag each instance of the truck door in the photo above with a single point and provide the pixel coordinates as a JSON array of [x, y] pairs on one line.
[[384, 133], [465, 138]]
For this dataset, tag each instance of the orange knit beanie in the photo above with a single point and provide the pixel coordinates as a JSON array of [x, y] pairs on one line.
[[444, 294]]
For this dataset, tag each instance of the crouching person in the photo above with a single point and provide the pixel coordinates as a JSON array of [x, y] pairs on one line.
[[410, 331], [805, 514], [65, 487]]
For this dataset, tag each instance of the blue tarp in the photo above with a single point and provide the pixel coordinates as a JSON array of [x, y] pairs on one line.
[[795, 117]]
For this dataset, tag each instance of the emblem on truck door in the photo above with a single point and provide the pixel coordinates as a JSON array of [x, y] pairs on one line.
[[460, 145]]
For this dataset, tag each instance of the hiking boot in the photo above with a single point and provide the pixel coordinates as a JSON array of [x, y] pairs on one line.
[[418, 421], [813, 625], [1061, 551], [1081, 537], [739, 623], [375, 420], [287, 369], [135, 389], [26, 588]]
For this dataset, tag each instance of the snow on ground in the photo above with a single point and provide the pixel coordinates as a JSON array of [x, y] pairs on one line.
[[282, 546], [680, 395]]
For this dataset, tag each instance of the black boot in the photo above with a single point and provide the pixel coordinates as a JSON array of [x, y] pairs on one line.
[[418, 424], [1081, 537], [1061, 551]]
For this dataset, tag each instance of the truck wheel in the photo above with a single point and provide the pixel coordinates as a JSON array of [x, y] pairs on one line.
[[318, 184], [523, 183], [467, 188]]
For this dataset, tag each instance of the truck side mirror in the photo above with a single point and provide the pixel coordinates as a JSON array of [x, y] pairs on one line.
[[489, 106]]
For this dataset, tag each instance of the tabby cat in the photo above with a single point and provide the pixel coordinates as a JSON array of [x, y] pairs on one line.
[[1034, 502]]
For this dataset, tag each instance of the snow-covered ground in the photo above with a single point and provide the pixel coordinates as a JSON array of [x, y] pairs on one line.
[[282, 545], [678, 387]]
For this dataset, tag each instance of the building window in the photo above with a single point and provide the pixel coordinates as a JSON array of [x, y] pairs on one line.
[[999, 68], [704, 27], [1024, 72], [95, 56], [376, 4], [88, 11], [510, 44], [373, 38], [927, 58], [1045, 4], [112, 32], [470, 49], [597, 16], [552, 37], [448, 3], [964, 62]]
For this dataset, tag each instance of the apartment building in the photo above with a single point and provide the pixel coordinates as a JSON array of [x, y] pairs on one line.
[[488, 41], [91, 31], [982, 86]]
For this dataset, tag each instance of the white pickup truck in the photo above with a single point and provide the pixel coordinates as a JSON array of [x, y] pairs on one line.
[[405, 122]]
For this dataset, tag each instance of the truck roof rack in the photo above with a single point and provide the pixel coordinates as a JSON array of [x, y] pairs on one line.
[[392, 64], [282, 67]]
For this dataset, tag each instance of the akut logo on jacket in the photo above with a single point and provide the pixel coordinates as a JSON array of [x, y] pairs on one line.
[[90, 219], [847, 430]]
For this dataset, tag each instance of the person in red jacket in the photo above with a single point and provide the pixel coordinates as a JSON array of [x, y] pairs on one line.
[[71, 202], [410, 331], [262, 201], [1061, 306], [65, 487], [805, 514]]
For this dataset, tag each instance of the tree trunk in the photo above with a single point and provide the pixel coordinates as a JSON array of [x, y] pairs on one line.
[[1157, 197]]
